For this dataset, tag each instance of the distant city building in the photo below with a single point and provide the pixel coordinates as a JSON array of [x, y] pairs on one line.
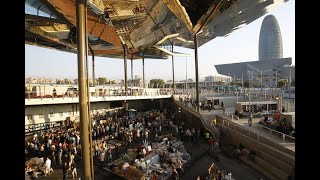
[[135, 82], [270, 41], [218, 78], [209, 78], [271, 66], [138, 82], [270, 70]]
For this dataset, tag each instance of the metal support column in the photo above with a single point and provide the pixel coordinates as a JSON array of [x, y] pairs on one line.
[[93, 73], [276, 80], [143, 83], [173, 84], [261, 83], [197, 70], [83, 101], [249, 93], [125, 76], [242, 85], [44, 87], [290, 83], [132, 82], [88, 96], [29, 91], [125, 70], [186, 76]]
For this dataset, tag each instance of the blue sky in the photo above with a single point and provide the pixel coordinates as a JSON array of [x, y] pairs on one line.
[[240, 46]]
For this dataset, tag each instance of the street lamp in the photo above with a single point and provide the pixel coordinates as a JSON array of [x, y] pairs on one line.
[[279, 99], [228, 83]]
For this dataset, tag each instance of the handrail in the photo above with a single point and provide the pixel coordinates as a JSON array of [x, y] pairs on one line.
[[282, 134], [274, 145], [73, 94], [95, 96], [258, 134], [237, 117], [267, 128], [210, 128]]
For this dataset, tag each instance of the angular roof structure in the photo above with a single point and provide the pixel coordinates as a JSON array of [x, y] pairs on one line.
[[148, 26]]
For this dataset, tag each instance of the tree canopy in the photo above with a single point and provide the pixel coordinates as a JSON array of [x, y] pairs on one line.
[[155, 83], [102, 80], [282, 83]]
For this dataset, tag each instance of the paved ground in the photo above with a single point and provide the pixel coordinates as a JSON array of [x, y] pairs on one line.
[[239, 170]]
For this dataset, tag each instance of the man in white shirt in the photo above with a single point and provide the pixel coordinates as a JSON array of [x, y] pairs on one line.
[[47, 166], [102, 157]]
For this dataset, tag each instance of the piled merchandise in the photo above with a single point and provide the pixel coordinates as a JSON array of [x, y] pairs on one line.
[[161, 157]]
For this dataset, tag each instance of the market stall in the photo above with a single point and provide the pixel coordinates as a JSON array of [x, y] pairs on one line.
[[161, 157], [278, 121], [35, 167]]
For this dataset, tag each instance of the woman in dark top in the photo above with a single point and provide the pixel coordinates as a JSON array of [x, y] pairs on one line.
[[65, 170]]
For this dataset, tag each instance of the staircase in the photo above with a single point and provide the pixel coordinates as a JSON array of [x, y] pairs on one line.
[[271, 159], [206, 123]]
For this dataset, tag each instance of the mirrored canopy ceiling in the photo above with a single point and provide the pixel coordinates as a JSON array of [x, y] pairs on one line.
[[149, 26]]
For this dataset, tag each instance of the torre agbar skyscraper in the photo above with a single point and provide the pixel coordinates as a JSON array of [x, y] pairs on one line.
[[270, 41]]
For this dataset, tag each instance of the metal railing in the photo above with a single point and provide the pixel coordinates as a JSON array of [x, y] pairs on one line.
[[262, 132], [60, 95], [290, 139], [203, 118], [213, 128], [234, 117]]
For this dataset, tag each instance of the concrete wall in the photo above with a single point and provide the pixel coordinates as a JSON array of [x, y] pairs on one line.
[[65, 100], [59, 112], [145, 105], [190, 120], [228, 101]]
